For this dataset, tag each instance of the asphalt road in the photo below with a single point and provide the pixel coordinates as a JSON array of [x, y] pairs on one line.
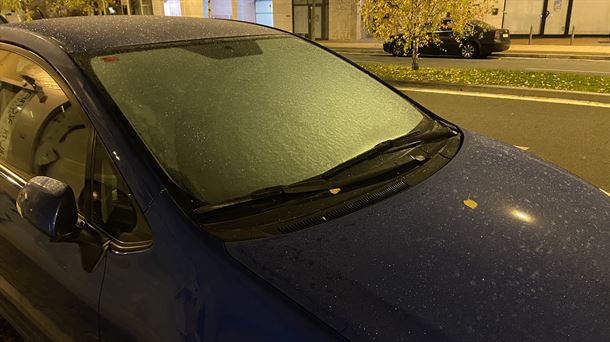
[[575, 137], [580, 66]]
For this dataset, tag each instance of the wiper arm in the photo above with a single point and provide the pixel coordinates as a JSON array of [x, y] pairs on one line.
[[318, 184], [252, 197]]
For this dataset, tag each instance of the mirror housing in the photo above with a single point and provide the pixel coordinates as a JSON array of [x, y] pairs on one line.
[[50, 206]]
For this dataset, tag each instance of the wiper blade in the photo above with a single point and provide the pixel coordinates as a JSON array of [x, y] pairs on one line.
[[324, 182], [409, 140], [313, 185]]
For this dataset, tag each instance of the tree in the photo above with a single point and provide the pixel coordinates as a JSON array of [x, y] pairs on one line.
[[416, 20], [10, 5], [32, 9], [28, 8]]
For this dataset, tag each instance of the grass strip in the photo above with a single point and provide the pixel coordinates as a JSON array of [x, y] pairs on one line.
[[510, 78]]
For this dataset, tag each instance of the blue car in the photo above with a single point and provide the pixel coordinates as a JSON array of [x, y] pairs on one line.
[[167, 179]]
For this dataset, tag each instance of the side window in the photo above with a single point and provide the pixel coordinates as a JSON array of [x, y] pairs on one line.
[[41, 131], [113, 208]]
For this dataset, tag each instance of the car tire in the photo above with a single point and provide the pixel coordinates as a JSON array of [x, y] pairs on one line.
[[469, 50], [397, 50]]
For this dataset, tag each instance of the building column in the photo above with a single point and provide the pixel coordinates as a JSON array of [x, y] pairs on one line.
[[359, 26], [342, 19], [157, 7], [234, 10], [192, 8], [282, 14]]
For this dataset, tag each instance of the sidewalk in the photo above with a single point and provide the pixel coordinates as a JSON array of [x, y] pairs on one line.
[[599, 46], [540, 47]]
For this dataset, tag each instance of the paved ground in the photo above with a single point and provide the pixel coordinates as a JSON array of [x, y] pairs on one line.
[[578, 41], [579, 66], [572, 135]]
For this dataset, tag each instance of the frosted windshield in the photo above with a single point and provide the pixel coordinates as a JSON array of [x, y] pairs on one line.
[[225, 118]]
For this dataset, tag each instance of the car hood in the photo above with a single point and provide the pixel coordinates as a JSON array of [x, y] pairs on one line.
[[497, 245]]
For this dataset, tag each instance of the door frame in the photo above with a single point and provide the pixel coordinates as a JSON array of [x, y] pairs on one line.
[[322, 6], [544, 16]]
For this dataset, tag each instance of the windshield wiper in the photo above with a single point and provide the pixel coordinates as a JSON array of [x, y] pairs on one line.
[[324, 181], [403, 142], [313, 185]]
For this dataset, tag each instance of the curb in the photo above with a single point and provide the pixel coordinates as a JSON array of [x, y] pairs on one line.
[[534, 92]]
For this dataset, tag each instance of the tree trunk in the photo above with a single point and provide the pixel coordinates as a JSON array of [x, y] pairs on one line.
[[415, 56]]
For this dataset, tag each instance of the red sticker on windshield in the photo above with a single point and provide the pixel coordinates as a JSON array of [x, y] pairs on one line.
[[110, 59]]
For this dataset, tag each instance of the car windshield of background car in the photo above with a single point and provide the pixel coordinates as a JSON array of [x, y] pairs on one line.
[[228, 117], [484, 25]]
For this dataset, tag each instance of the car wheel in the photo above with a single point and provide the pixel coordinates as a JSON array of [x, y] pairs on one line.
[[469, 50], [397, 50]]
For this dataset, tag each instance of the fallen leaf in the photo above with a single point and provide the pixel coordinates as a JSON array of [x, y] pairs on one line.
[[470, 203], [335, 191]]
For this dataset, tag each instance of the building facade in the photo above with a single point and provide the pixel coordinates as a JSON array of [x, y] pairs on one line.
[[340, 20]]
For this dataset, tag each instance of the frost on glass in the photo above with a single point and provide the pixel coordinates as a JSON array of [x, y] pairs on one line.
[[227, 118]]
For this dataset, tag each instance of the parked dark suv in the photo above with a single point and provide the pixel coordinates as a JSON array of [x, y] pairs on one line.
[[485, 40]]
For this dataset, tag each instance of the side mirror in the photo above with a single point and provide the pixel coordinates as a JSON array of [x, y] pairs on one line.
[[50, 206]]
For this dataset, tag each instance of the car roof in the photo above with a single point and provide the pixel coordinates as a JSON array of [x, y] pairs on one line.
[[100, 33]]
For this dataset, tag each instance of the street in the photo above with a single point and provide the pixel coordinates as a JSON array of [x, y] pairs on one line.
[[575, 137], [571, 134], [580, 66]]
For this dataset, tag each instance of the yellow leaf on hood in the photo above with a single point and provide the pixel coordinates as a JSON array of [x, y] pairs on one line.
[[470, 203]]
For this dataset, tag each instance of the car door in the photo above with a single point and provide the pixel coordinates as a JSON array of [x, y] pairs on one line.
[[115, 211], [444, 34], [431, 48], [449, 46], [48, 290]]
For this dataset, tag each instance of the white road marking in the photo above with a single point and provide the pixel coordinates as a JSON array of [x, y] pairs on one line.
[[604, 191], [523, 148], [510, 97], [569, 70]]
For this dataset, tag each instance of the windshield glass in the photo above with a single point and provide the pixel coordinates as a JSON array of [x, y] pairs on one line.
[[483, 25], [225, 118]]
